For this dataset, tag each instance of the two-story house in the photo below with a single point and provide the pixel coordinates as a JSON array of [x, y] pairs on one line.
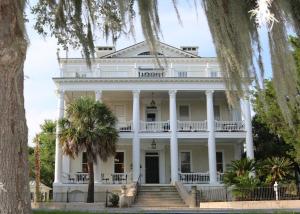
[[174, 120]]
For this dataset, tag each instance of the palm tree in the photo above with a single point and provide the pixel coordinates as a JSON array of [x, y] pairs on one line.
[[89, 126], [277, 169]]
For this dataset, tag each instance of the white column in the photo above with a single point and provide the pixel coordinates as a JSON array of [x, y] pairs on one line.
[[97, 170], [136, 139], [58, 151], [173, 141], [248, 128], [211, 138]]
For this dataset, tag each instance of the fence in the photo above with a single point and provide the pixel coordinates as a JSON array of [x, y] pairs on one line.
[[222, 193]]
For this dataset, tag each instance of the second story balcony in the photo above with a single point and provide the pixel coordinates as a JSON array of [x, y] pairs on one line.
[[183, 126], [142, 72]]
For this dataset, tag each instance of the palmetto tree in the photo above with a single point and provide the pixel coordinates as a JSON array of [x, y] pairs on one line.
[[89, 126], [277, 169]]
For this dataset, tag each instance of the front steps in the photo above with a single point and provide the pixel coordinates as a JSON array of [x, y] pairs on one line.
[[158, 196]]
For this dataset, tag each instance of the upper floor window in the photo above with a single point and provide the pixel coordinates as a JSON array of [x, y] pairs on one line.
[[84, 163], [219, 156], [217, 113], [119, 162], [185, 162], [184, 112]]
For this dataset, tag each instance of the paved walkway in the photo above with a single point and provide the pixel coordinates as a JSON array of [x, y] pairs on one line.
[[182, 211]]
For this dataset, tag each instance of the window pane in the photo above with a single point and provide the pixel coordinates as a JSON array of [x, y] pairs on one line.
[[84, 167], [185, 162], [217, 112], [119, 162], [219, 157], [119, 158], [184, 111]]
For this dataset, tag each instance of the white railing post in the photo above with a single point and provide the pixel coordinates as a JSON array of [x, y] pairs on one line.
[[276, 190]]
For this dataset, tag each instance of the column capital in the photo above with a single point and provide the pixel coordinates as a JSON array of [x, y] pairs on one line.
[[172, 92], [60, 92], [209, 92], [136, 92]]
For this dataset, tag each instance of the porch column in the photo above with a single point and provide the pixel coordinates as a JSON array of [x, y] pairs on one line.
[[136, 139], [211, 138], [248, 128], [173, 141], [58, 151], [97, 169]]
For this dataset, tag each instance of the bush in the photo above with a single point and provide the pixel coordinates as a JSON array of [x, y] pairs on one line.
[[114, 199]]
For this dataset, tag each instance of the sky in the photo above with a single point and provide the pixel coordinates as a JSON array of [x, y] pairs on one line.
[[41, 62]]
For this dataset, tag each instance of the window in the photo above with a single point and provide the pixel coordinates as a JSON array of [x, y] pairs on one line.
[[84, 163], [219, 156], [119, 162], [182, 74], [217, 112], [184, 112], [185, 159], [213, 74]]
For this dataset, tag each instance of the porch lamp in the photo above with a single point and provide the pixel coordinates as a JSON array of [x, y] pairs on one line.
[[152, 104], [153, 144]]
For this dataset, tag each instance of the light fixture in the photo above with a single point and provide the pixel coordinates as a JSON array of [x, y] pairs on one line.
[[152, 104], [153, 144]]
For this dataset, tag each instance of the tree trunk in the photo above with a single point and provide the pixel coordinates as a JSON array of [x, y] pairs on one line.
[[90, 197], [14, 177]]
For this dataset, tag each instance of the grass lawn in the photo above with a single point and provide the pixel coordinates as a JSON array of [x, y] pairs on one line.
[[77, 212]]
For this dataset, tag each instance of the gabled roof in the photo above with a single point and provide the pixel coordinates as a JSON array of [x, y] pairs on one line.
[[165, 49]]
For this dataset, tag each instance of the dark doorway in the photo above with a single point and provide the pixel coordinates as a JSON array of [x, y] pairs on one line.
[[152, 169]]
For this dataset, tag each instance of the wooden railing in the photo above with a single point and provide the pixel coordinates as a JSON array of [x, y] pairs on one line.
[[120, 178], [194, 178], [229, 126], [191, 126], [155, 126], [125, 126], [220, 177]]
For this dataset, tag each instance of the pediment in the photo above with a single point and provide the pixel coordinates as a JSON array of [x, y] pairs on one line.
[[142, 50]]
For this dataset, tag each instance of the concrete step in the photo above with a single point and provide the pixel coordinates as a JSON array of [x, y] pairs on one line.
[[158, 196]]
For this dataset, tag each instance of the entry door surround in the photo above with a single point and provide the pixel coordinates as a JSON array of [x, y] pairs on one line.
[[152, 167]]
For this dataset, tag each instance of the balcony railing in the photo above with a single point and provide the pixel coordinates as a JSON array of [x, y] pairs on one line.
[[78, 178], [194, 178], [125, 126], [155, 126], [183, 126], [229, 126], [198, 177], [128, 71], [191, 126]]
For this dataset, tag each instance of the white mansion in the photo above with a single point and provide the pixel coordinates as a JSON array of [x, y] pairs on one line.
[[174, 121]]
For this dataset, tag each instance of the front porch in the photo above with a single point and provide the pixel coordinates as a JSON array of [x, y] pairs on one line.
[[155, 163]]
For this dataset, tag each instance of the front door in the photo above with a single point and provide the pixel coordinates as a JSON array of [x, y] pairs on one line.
[[152, 169]]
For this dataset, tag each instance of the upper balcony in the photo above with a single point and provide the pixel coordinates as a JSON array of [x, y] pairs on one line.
[[143, 71]]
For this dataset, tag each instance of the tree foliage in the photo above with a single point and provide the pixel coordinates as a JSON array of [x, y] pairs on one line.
[[46, 139], [234, 32], [89, 126]]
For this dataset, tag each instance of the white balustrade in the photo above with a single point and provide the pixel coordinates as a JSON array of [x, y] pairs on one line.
[[194, 178], [155, 126], [120, 178], [125, 126], [191, 126], [78, 178], [229, 126], [220, 177], [122, 71]]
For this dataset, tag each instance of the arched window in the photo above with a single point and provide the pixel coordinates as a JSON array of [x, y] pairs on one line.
[[147, 53]]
